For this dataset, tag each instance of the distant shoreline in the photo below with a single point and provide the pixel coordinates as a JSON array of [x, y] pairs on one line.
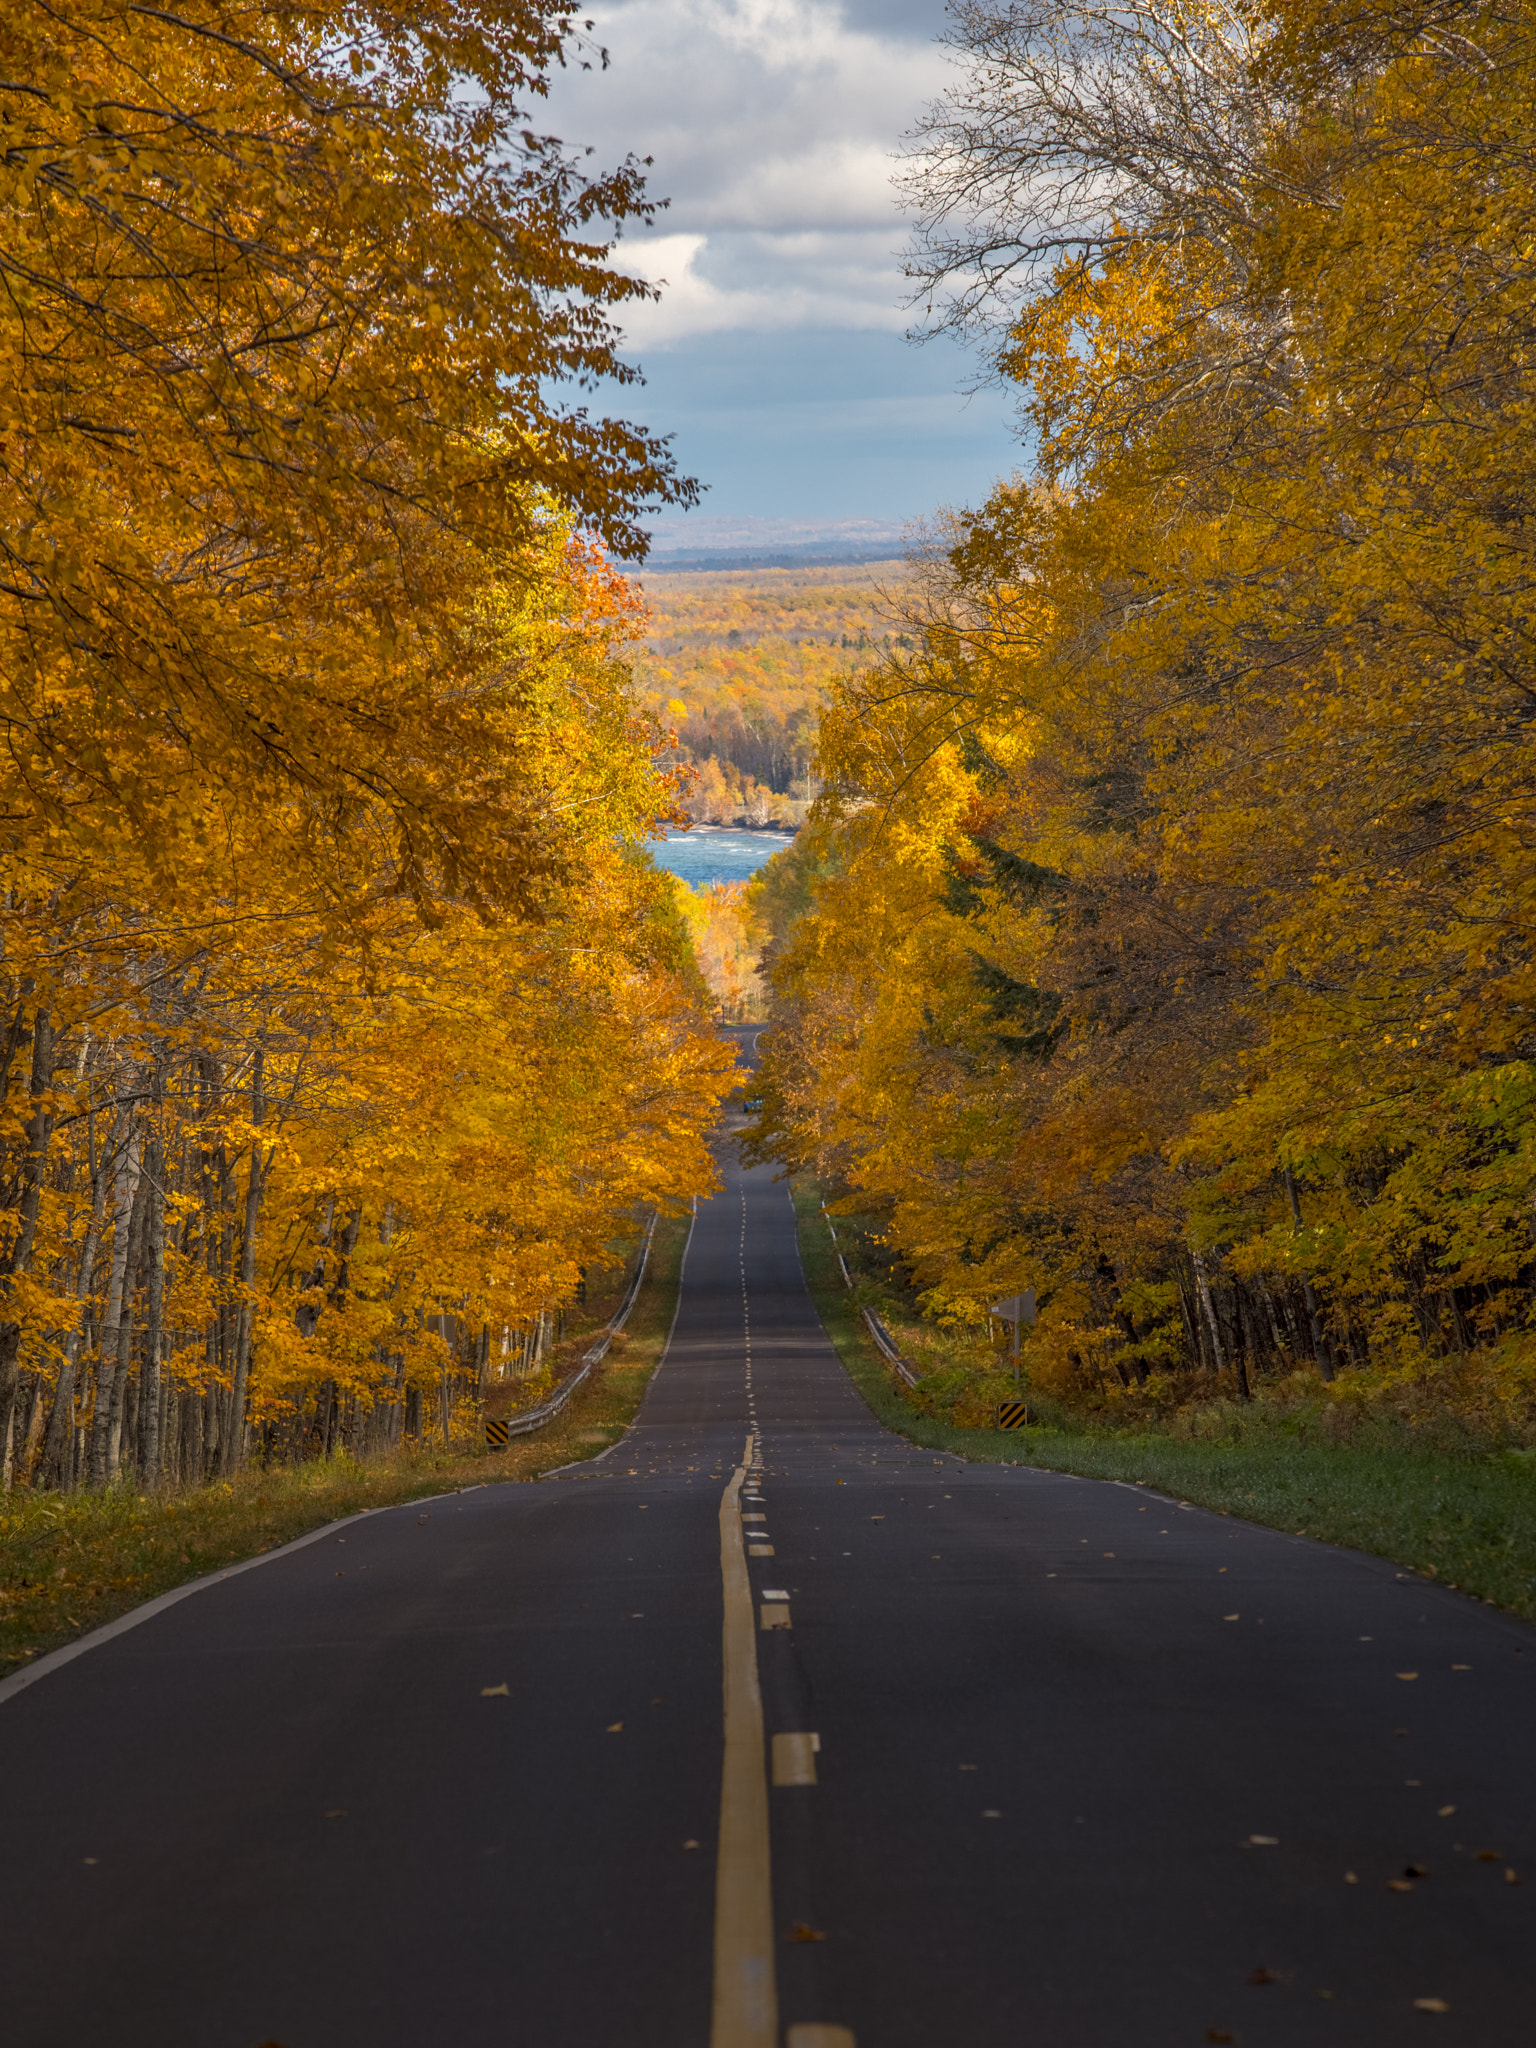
[[783, 831]]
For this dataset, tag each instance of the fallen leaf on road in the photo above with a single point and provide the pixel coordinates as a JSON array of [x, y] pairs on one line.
[[336, 1813], [1445, 1812], [1398, 1884], [1231, 1617], [1414, 1870], [1259, 1975], [801, 1932], [690, 1845], [1407, 1674], [1261, 1842], [1350, 1877], [1488, 1855], [495, 1692], [1219, 2034], [991, 1813], [1430, 2005], [1461, 1667], [877, 1518], [615, 1728], [1511, 1876]]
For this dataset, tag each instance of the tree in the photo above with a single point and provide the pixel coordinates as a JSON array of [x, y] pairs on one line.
[[284, 293], [1217, 746]]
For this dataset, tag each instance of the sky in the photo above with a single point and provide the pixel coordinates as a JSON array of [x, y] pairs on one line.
[[776, 356]]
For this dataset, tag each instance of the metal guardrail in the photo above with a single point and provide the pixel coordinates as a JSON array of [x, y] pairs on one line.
[[882, 1337], [877, 1329], [533, 1418], [842, 1262]]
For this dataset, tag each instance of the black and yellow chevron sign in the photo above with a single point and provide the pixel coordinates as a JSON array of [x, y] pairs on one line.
[[1012, 1414], [496, 1435]]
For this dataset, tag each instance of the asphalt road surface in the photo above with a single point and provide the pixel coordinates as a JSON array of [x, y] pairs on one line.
[[1059, 1763]]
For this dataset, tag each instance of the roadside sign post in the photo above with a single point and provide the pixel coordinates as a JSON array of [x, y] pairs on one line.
[[1017, 1309]]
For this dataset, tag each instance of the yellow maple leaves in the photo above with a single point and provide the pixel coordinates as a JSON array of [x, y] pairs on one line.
[[345, 1018], [1196, 849]]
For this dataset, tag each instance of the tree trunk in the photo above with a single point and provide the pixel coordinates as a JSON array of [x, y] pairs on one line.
[[195, 1458], [58, 1446], [1245, 1351], [1273, 1319], [234, 1454], [125, 1188], [154, 1307], [119, 1399], [1210, 1311], [33, 1431], [39, 1130]]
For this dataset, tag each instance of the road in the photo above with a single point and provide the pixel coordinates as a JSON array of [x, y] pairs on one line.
[[1093, 1767]]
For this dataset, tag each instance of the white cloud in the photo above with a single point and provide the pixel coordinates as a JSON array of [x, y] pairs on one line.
[[767, 282], [772, 125]]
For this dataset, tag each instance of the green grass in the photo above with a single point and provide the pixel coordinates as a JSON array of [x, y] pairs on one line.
[[70, 1562], [1466, 1518]]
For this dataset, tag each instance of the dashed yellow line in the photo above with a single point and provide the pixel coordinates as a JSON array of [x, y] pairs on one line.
[[745, 2010]]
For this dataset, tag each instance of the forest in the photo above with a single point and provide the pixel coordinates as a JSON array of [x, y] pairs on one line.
[[1158, 932], [346, 1022], [739, 665], [1161, 939]]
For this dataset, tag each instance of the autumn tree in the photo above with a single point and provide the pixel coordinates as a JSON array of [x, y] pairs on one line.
[[312, 675], [1212, 777]]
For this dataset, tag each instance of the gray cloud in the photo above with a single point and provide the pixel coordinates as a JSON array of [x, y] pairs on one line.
[[772, 125]]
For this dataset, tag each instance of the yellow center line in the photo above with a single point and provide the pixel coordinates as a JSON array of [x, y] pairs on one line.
[[745, 2013]]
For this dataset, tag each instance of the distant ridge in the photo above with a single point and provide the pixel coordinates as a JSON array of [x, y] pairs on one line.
[[682, 546], [691, 561]]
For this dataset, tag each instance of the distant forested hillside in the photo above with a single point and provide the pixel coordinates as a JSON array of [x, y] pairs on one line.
[[740, 663]]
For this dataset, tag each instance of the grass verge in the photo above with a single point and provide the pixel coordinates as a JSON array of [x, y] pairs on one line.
[[70, 1562], [1468, 1522]]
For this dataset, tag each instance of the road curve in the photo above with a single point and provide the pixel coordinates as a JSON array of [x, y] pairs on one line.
[[1091, 1769]]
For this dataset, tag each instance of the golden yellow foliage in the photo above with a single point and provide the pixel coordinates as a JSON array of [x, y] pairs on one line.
[[1171, 950], [739, 663], [343, 1018]]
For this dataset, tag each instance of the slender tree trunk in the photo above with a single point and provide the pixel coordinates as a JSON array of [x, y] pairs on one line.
[[1204, 1285], [154, 1307], [18, 1260], [119, 1397], [125, 1188], [1245, 1351], [234, 1456], [1190, 1321], [58, 1445], [194, 1458], [32, 1434], [1273, 1320]]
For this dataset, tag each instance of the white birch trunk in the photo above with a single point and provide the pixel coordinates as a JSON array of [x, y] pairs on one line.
[[125, 1186]]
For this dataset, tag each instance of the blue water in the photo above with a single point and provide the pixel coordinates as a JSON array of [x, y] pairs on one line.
[[715, 853]]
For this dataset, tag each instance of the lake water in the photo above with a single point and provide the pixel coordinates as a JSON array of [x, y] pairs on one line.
[[715, 853]]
